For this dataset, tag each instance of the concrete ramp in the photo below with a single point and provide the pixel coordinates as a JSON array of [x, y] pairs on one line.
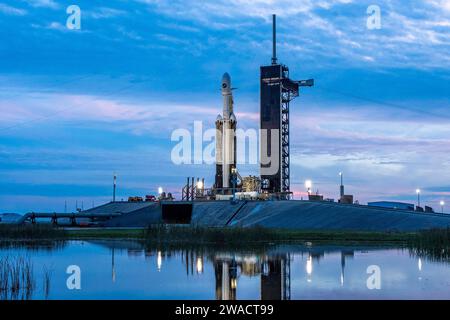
[[308, 215], [206, 213], [119, 207], [142, 216], [214, 213], [301, 215]]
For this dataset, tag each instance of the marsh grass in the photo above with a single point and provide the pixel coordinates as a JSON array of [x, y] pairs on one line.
[[30, 232], [16, 278], [241, 235], [197, 234], [47, 275], [433, 243]]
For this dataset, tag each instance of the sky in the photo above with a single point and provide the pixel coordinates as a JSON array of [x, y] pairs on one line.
[[77, 105]]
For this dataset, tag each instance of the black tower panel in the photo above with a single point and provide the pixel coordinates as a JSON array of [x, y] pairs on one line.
[[277, 90], [271, 119], [270, 97]]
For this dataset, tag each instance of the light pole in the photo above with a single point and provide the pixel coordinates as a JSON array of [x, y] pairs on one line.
[[442, 203], [199, 188], [114, 187], [341, 188], [418, 197], [308, 186]]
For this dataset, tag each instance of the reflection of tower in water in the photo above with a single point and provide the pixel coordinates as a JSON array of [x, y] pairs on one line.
[[344, 255], [113, 267], [274, 272], [193, 262], [276, 279]]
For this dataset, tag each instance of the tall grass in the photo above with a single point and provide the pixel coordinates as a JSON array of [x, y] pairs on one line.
[[30, 232], [16, 278], [47, 275], [197, 234], [433, 243], [230, 235]]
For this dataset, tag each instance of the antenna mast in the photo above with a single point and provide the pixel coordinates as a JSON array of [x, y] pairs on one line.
[[274, 39]]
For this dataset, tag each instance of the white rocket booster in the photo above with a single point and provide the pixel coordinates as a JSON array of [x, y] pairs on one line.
[[225, 137]]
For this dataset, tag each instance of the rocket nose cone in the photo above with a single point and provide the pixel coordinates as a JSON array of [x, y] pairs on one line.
[[226, 81]]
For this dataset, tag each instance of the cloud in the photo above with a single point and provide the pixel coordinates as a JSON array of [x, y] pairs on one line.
[[51, 26], [367, 148], [409, 38], [175, 26], [104, 13], [441, 4], [206, 11], [136, 117], [57, 26], [129, 34], [173, 75], [6, 9], [44, 4]]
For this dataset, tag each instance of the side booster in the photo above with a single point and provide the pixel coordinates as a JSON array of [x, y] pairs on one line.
[[225, 137]]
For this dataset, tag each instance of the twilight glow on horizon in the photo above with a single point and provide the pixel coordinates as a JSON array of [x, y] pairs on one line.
[[78, 105]]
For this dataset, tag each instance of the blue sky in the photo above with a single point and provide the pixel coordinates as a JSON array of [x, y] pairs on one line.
[[78, 105]]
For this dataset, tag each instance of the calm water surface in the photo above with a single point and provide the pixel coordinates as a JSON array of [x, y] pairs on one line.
[[124, 270]]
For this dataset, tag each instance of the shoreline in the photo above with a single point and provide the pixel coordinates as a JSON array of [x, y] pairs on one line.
[[435, 243], [274, 236]]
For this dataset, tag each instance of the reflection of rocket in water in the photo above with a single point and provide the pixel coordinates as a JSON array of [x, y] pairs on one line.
[[226, 279], [225, 137]]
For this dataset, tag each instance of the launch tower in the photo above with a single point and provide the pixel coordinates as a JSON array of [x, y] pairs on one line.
[[277, 91]]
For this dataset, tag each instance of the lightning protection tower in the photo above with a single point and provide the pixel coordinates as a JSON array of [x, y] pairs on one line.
[[277, 91]]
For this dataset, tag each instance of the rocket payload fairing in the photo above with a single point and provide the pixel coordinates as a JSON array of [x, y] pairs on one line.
[[225, 137]]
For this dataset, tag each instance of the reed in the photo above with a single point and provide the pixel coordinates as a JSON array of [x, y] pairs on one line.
[[47, 275], [196, 234], [30, 232], [257, 234], [16, 278], [433, 243]]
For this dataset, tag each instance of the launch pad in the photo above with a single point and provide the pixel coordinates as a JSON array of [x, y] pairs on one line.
[[277, 90]]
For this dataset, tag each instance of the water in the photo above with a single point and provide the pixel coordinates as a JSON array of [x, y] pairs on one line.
[[124, 270]]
